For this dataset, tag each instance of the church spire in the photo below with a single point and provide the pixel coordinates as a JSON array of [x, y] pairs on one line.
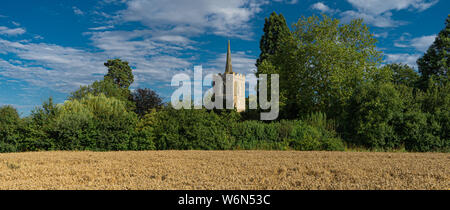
[[228, 67]]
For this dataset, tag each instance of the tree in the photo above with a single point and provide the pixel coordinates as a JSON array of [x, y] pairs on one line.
[[436, 61], [98, 123], [275, 30], [115, 84], [323, 63], [145, 99], [105, 87], [403, 75], [120, 73], [372, 111], [9, 123]]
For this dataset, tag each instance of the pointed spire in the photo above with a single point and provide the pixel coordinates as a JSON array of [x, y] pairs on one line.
[[228, 67]]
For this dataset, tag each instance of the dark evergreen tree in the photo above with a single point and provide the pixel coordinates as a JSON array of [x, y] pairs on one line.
[[275, 30]]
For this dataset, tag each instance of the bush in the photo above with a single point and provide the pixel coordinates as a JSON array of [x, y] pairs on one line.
[[307, 137], [257, 135], [284, 135], [96, 123], [34, 137], [9, 125], [370, 116], [190, 129], [333, 144]]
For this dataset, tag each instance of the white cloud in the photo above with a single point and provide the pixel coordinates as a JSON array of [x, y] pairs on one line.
[[173, 39], [154, 56], [323, 8], [287, 1], [404, 58], [380, 6], [64, 69], [382, 35], [241, 62], [383, 21], [225, 18], [421, 44], [379, 12], [11, 31], [77, 11], [60, 68], [155, 53], [101, 28]]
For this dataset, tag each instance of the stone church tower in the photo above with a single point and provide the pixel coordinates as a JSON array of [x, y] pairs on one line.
[[238, 87]]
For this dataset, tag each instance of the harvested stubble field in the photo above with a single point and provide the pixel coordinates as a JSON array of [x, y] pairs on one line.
[[224, 170]]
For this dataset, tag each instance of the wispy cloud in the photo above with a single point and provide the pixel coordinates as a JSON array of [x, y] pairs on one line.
[[377, 12], [48, 65], [100, 28], [379, 20], [224, 18], [421, 44], [77, 11], [241, 62], [11, 31], [404, 58], [381, 35], [377, 7], [323, 8]]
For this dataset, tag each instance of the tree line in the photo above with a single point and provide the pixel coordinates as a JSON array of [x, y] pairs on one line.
[[335, 93]]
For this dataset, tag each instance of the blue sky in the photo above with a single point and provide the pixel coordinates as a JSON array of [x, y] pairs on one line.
[[50, 48]]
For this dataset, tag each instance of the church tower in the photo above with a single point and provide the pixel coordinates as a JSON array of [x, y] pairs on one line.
[[238, 84]]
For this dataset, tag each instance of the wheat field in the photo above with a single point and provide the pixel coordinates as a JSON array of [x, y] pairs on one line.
[[224, 170]]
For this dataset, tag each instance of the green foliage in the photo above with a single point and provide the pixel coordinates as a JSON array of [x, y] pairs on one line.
[[370, 115], [145, 100], [105, 87], [120, 73], [417, 130], [115, 84], [436, 61], [305, 136], [9, 124], [257, 135], [275, 31], [190, 129], [331, 85], [95, 123], [435, 102], [403, 75], [284, 135], [203, 129], [322, 63]]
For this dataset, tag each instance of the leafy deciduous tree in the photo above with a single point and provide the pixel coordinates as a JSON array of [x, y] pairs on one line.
[[145, 100], [436, 61]]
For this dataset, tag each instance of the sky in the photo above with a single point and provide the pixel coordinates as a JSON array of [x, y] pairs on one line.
[[51, 48]]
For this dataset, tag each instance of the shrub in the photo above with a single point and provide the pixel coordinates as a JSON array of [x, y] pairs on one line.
[[283, 135], [9, 125], [258, 135], [371, 113], [190, 129], [96, 123]]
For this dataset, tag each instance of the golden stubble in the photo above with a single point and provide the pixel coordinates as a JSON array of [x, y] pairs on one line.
[[224, 170]]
